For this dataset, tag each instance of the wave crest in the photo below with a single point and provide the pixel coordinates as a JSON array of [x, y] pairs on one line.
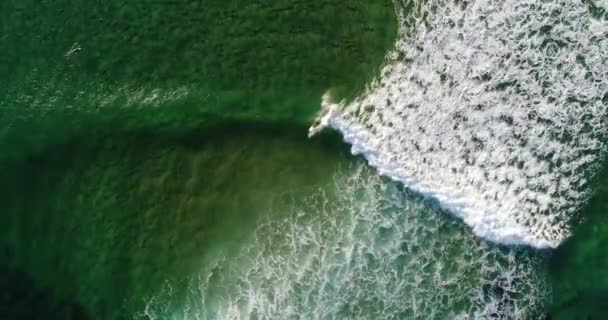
[[498, 109]]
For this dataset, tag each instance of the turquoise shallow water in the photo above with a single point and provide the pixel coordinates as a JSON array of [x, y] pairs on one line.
[[155, 165]]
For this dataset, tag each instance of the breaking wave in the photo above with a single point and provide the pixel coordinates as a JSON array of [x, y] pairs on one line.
[[361, 249], [496, 108]]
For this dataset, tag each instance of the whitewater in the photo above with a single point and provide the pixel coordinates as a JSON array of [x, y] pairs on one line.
[[498, 110], [493, 110], [361, 247]]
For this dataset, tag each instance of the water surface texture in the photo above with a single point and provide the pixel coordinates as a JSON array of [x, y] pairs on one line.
[[497, 109], [174, 159]]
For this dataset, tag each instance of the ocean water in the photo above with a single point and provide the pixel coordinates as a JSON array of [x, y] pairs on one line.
[[497, 109], [437, 159]]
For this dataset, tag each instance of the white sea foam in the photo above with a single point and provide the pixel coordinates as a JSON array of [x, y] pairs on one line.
[[600, 3], [361, 249], [496, 108]]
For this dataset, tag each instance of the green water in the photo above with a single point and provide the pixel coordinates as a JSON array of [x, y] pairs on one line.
[[137, 139], [579, 267], [145, 143], [126, 217], [202, 61]]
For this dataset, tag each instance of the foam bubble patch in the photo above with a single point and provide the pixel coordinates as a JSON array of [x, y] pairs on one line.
[[362, 249], [498, 109]]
